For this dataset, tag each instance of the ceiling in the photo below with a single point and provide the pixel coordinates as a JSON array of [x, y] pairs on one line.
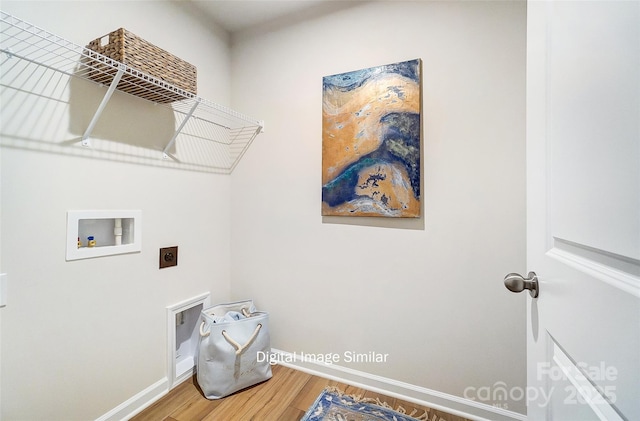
[[237, 15]]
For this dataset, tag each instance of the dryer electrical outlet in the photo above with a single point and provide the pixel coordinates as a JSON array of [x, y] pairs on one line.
[[168, 257]]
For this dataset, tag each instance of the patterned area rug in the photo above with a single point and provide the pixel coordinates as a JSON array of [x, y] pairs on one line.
[[333, 405]]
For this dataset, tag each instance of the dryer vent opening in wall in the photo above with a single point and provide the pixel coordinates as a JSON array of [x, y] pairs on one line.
[[186, 338], [183, 334]]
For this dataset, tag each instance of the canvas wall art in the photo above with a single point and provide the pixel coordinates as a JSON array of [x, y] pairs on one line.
[[371, 141]]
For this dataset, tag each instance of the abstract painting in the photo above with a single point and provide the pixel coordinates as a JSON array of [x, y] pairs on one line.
[[371, 141]]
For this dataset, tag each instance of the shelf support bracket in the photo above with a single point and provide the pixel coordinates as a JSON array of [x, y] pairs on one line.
[[184, 122], [103, 104]]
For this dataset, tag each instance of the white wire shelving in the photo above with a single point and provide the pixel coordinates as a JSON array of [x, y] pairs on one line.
[[195, 117]]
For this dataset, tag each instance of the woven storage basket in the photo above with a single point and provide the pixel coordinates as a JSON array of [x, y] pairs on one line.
[[138, 54]]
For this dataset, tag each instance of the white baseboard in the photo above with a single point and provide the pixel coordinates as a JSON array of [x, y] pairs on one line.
[[451, 404], [137, 403]]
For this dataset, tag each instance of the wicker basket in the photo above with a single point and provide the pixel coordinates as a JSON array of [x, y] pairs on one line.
[[126, 47]]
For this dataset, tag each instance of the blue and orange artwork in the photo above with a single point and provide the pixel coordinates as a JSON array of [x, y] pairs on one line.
[[371, 141]]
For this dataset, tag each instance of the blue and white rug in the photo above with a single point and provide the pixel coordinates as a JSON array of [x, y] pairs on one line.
[[333, 405]]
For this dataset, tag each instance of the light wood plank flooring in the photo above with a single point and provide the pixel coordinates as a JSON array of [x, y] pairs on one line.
[[285, 397]]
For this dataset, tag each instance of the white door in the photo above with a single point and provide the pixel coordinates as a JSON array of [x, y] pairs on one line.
[[583, 210]]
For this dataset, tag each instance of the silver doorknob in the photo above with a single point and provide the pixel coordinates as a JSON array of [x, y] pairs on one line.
[[517, 283]]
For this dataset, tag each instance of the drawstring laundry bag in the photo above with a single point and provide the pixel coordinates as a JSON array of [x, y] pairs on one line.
[[233, 348]]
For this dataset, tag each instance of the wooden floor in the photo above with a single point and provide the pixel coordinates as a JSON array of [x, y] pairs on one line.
[[285, 397]]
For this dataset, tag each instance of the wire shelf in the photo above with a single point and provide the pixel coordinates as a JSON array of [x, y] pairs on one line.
[[196, 118]]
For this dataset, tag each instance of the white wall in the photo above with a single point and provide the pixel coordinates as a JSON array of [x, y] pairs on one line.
[[1, 271], [427, 292], [81, 337]]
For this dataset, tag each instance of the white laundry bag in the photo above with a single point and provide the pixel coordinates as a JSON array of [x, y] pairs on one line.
[[234, 339]]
